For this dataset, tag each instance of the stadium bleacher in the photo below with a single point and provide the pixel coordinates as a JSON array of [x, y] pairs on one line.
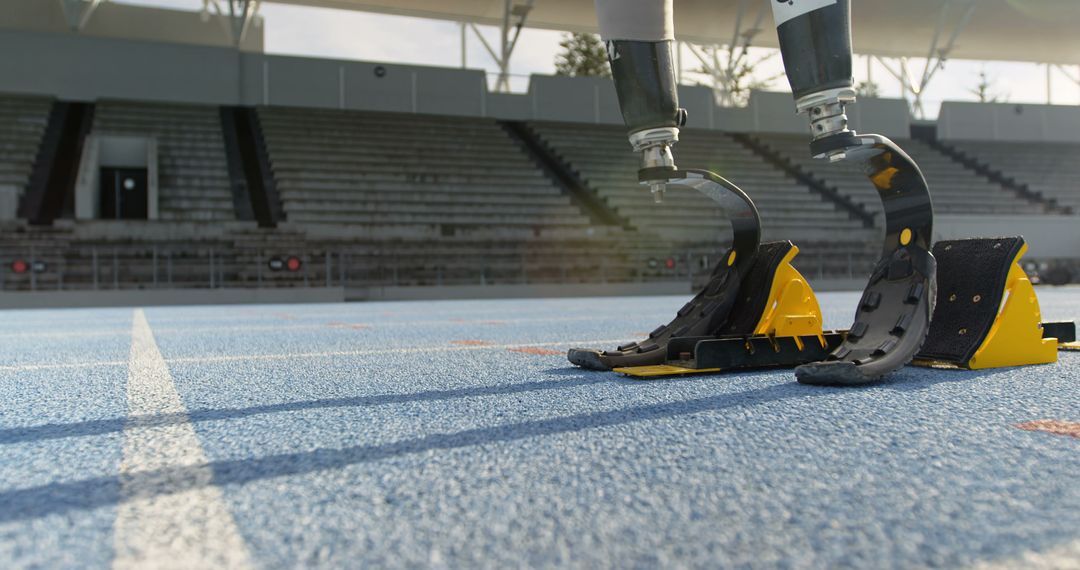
[[955, 189], [193, 177], [1050, 169], [602, 157], [398, 199], [459, 175], [23, 120]]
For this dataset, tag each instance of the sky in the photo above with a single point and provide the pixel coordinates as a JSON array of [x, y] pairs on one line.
[[340, 34]]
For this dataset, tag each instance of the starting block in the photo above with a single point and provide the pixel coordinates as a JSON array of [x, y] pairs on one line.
[[786, 325], [986, 316]]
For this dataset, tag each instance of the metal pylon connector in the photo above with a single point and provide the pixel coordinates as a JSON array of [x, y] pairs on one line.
[[655, 148]]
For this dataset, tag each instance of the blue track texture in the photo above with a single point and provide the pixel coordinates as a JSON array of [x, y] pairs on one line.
[[455, 434]]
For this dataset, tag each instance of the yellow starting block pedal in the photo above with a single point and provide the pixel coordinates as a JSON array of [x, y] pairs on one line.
[[792, 309], [787, 330], [663, 371], [987, 314]]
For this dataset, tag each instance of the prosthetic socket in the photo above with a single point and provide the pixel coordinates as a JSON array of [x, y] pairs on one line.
[[816, 47], [646, 86]]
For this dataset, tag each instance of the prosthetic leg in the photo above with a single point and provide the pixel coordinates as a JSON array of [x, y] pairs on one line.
[[986, 314], [757, 311], [751, 279], [894, 314]]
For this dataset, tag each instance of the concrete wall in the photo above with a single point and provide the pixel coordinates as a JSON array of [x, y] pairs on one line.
[[700, 106], [86, 68], [82, 67], [574, 99], [509, 106], [9, 202], [1009, 122], [77, 67], [775, 113], [888, 117], [1048, 237]]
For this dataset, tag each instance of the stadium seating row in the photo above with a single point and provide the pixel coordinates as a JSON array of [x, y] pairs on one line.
[[22, 124], [370, 168], [456, 199], [602, 157], [1051, 169], [954, 189]]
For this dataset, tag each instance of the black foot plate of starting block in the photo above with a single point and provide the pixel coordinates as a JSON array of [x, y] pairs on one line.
[[729, 304], [971, 285], [987, 314], [710, 355]]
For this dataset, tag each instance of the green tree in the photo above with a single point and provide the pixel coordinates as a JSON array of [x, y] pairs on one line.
[[868, 89], [582, 55], [985, 91], [734, 73]]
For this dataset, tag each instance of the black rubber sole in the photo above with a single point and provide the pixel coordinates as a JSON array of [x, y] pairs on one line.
[[588, 359]]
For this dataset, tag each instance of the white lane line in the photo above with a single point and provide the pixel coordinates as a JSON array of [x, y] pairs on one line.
[[185, 529], [1064, 557], [67, 366], [65, 334], [602, 343]]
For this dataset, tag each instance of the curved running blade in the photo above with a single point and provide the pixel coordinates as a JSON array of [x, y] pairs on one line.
[[890, 324], [710, 309], [893, 317], [706, 312]]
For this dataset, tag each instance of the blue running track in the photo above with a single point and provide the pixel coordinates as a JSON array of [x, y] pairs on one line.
[[455, 434]]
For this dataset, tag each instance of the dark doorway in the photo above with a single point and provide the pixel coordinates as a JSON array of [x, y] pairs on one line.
[[123, 193]]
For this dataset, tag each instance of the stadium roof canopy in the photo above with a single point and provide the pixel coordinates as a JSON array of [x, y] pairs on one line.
[[1042, 31]]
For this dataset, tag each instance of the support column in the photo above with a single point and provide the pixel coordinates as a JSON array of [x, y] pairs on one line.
[[514, 16], [464, 57], [935, 59], [1049, 84], [78, 12], [721, 63], [236, 17]]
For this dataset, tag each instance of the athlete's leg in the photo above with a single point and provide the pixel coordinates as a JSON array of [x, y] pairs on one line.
[[639, 36]]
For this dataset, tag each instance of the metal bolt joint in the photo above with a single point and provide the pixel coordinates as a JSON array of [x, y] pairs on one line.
[[826, 110], [655, 148]]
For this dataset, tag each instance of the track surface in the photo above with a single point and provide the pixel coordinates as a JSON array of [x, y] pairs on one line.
[[455, 434]]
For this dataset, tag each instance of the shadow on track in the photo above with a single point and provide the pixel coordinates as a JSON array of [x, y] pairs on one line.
[[116, 425], [37, 502]]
